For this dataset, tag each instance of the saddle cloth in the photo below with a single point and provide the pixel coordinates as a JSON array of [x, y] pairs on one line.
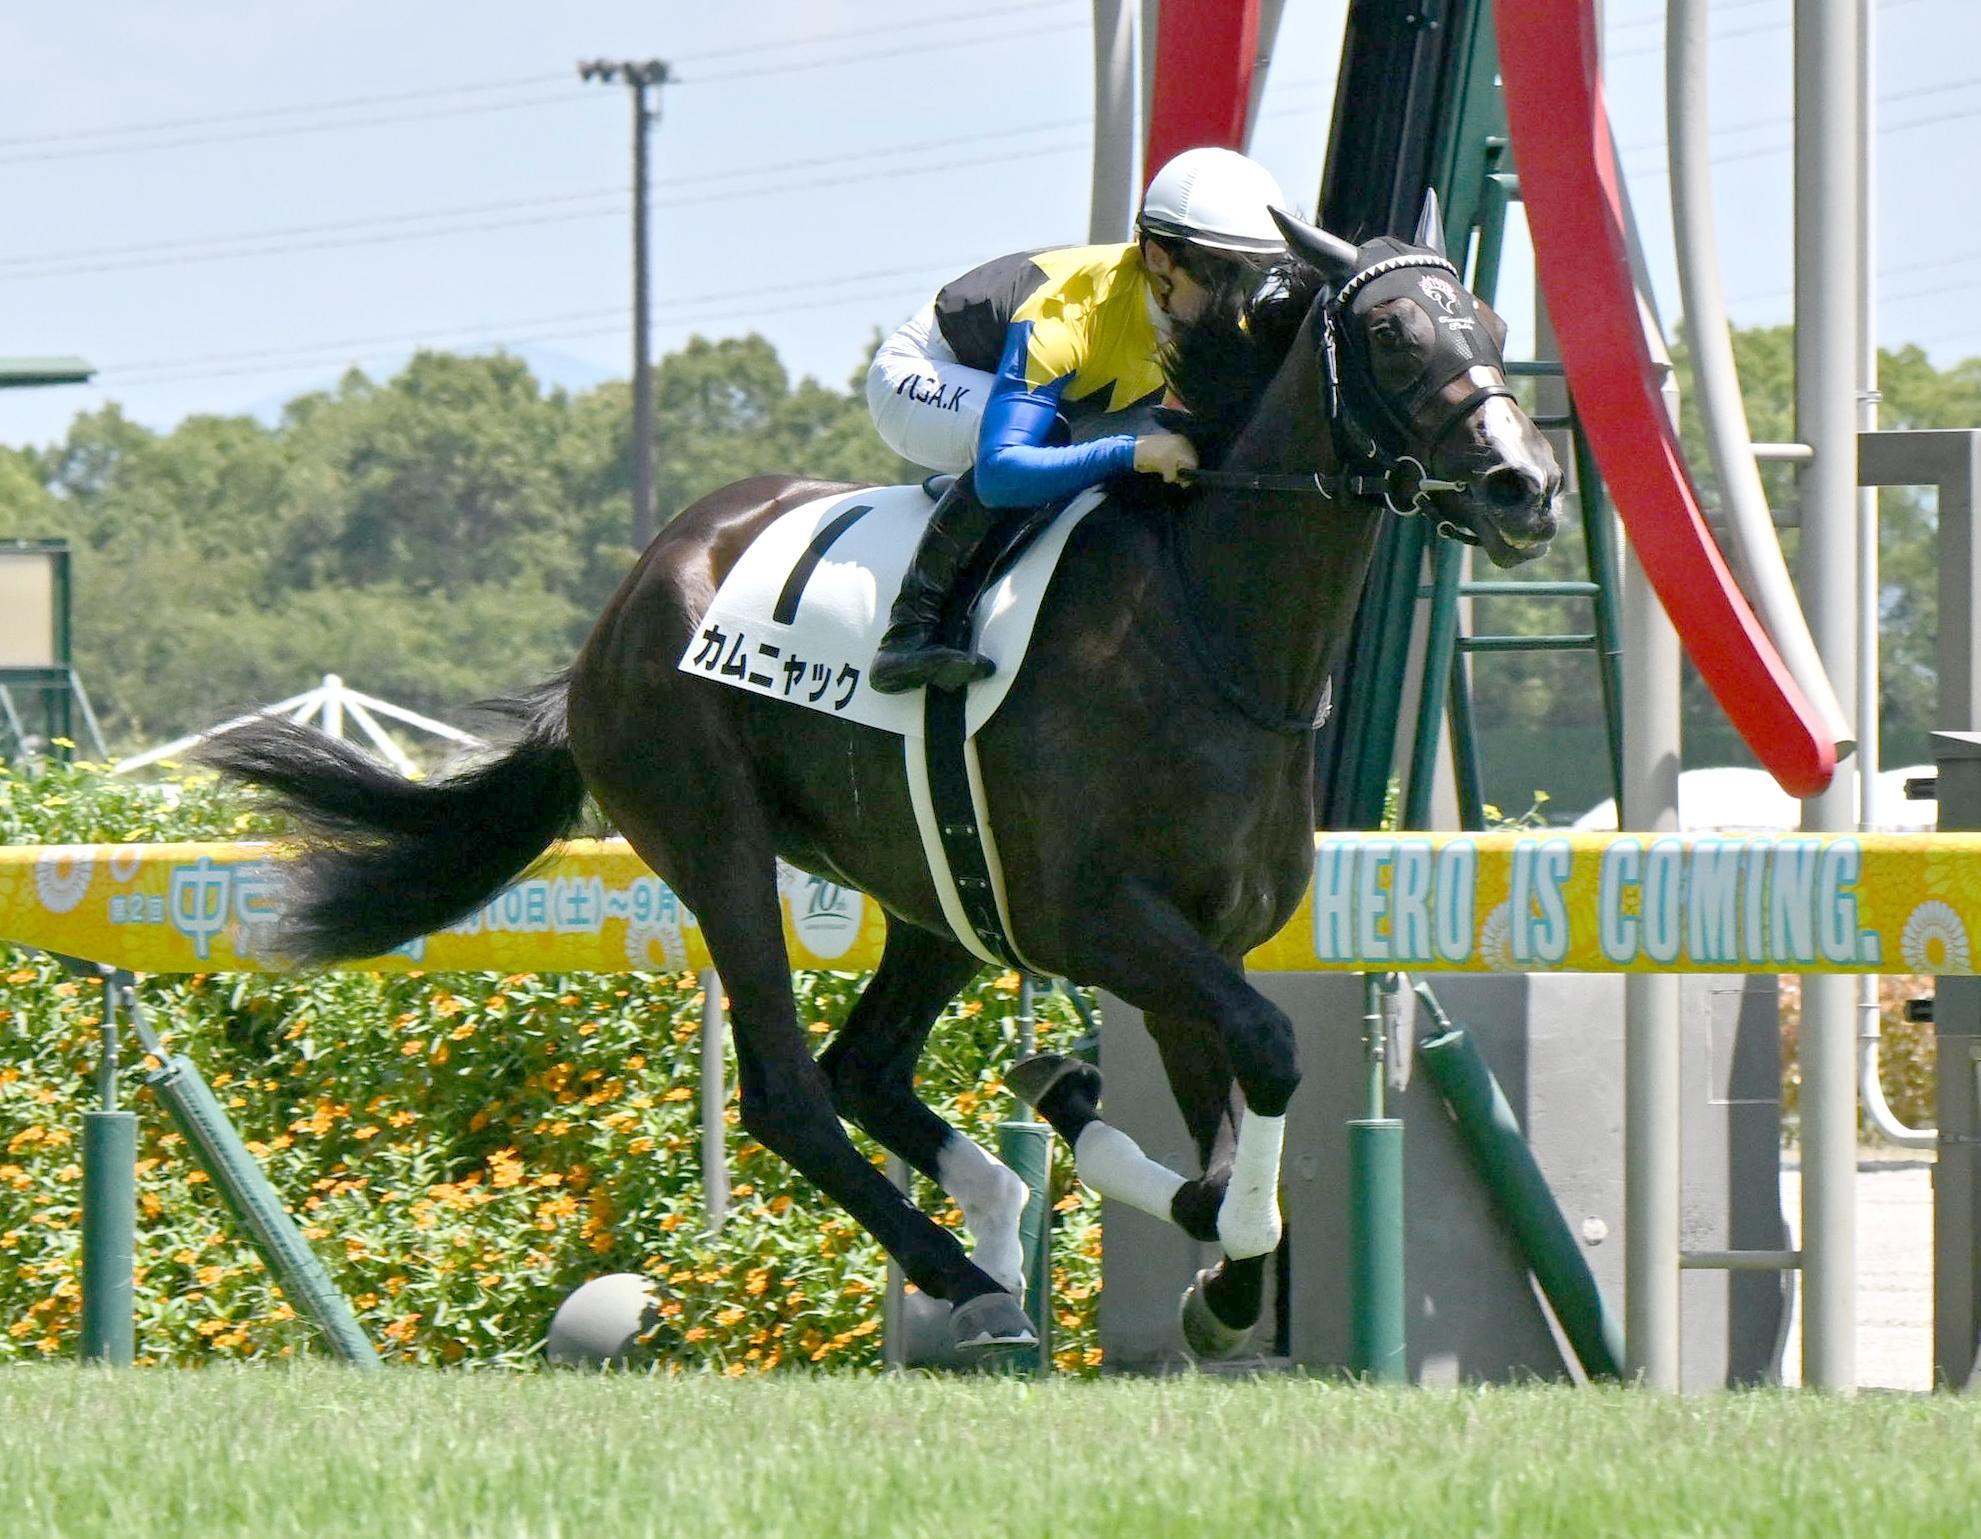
[[800, 615]]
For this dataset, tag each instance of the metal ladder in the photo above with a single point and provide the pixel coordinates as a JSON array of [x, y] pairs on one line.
[[1432, 115], [1444, 686]]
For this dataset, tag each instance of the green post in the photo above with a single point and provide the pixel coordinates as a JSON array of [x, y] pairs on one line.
[[1375, 1219], [110, 1218], [195, 1108], [1027, 1148], [110, 1203], [1491, 1134], [1375, 1248]]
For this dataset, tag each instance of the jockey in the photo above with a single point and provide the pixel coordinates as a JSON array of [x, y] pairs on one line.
[[1014, 357]]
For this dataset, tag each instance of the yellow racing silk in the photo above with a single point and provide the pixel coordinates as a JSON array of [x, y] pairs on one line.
[[1091, 320]]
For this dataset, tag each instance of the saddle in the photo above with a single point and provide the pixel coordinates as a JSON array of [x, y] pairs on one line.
[[797, 621]]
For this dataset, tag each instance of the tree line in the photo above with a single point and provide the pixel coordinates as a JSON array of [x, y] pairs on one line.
[[452, 531], [436, 537]]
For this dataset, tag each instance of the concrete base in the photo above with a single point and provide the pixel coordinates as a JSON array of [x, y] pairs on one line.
[[1555, 1042]]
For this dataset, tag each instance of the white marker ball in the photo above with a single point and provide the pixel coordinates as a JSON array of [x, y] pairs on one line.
[[599, 1324]]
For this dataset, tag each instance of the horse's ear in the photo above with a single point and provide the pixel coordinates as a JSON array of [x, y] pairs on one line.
[[1430, 223], [1330, 253]]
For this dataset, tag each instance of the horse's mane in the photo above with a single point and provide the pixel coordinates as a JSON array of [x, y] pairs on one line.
[[1220, 363]]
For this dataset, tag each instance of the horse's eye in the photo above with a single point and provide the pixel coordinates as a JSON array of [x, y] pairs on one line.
[[1388, 335]]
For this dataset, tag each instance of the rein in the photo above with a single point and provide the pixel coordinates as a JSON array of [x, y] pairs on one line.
[[1403, 484]]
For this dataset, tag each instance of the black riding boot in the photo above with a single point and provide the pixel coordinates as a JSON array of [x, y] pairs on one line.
[[909, 656]]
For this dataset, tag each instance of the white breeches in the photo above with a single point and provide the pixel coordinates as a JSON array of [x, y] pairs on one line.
[[926, 405]]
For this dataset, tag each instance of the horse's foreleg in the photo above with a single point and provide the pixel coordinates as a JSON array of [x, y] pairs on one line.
[[871, 1064], [1223, 1302], [1214, 1029]]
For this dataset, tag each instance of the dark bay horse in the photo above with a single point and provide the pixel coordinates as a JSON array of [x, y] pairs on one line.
[[1150, 773]]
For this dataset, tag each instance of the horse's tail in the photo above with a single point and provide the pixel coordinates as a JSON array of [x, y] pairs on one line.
[[385, 859]]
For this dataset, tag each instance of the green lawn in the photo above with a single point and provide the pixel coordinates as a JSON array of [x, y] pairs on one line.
[[317, 1450]]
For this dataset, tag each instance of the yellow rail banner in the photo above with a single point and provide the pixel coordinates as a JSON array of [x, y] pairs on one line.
[[1505, 902]]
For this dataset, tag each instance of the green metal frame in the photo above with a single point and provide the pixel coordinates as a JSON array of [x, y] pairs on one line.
[[1478, 183]]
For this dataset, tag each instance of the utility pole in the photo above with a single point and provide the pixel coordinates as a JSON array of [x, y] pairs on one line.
[[639, 76]]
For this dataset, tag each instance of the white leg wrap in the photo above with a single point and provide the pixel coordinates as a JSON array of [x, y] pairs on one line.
[[1111, 1162], [992, 1197], [1248, 1218]]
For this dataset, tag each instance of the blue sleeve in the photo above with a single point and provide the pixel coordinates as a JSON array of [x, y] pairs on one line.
[[1015, 466]]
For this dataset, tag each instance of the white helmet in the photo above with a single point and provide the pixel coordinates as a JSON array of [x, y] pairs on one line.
[[1215, 198]]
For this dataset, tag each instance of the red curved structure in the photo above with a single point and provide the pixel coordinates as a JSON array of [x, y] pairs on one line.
[[1569, 183]]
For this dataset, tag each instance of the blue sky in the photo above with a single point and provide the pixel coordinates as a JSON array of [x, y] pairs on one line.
[[221, 204]]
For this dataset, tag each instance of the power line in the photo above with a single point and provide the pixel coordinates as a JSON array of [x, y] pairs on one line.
[[1003, 157], [1657, 17], [146, 146], [317, 355], [89, 152], [500, 327], [295, 109], [467, 210], [1764, 151], [876, 53], [221, 246], [892, 29], [1785, 120], [513, 82], [1643, 50]]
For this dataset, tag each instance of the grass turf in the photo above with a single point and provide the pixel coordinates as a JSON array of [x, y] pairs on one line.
[[317, 1450]]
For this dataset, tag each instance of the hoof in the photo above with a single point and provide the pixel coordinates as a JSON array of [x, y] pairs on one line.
[[990, 1320], [1033, 1079], [1208, 1337]]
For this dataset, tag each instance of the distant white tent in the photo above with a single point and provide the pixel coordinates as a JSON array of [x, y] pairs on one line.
[[333, 705], [1747, 801]]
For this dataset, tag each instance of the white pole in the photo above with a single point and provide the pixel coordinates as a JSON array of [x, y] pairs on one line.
[[1651, 1159], [715, 1097], [1112, 203], [1826, 385]]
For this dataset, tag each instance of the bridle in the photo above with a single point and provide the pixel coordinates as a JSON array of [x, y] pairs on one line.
[[1373, 468]]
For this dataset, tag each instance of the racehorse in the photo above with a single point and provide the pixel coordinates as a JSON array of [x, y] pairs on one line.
[[1151, 773]]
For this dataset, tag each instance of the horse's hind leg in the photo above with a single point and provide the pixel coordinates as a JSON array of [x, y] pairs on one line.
[[727, 874], [871, 1065]]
